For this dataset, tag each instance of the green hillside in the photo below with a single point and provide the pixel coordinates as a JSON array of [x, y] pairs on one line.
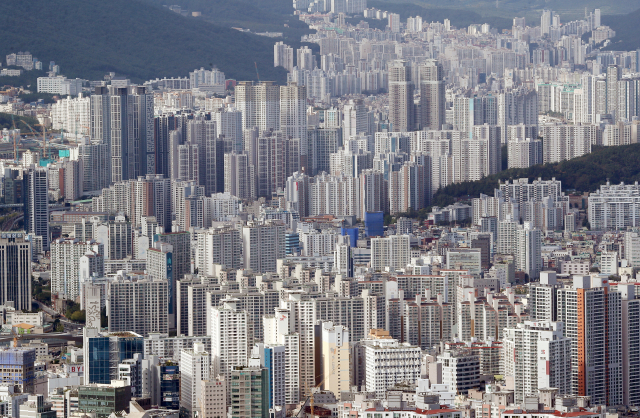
[[7, 122], [627, 31], [257, 15], [583, 174], [89, 38]]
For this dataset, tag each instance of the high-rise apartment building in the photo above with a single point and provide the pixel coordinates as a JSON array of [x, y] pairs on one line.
[[178, 265], [138, 303], [278, 157], [283, 56], [528, 250], [272, 358], [262, 245], [230, 339], [401, 108], [229, 127], [195, 366], [65, 265], [15, 270], [239, 176], [409, 187], [591, 313], [293, 326], [259, 104], [614, 207], [293, 118], [254, 401], [524, 153], [297, 193], [333, 360], [95, 160], [432, 95], [538, 355], [130, 132], [36, 205], [204, 134], [213, 403], [373, 192], [306, 59], [401, 362], [392, 252], [356, 119], [221, 245]]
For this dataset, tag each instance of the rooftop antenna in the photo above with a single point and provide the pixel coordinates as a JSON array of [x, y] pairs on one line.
[[256, 64]]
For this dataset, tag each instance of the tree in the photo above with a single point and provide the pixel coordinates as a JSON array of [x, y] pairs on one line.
[[104, 319], [78, 316]]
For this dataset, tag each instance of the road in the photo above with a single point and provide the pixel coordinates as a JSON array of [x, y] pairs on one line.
[[69, 326], [8, 226], [52, 338]]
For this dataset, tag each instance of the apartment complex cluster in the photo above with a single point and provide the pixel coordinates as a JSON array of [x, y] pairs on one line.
[[249, 249]]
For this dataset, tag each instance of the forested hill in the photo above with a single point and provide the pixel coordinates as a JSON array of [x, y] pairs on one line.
[[583, 174], [134, 38], [627, 31]]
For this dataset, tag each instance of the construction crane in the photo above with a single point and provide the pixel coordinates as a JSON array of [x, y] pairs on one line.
[[256, 64], [16, 336], [310, 397], [44, 137]]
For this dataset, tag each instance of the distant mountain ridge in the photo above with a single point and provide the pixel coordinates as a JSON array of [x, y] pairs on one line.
[[133, 38]]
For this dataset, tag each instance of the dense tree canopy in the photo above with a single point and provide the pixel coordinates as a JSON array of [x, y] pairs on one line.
[[583, 174]]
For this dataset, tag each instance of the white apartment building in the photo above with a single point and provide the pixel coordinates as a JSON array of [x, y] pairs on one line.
[[537, 355], [389, 362], [529, 250], [293, 116], [218, 246], [542, 297], [524, 153], [460, 370], [333, 195], [262, 245], [564, 142], [614, 207], [507, 236], [278, 331], [138, 303], [575, 267], [230, 335], [71, 115], [65, 265], [609, 263], [163, 346], [632, 248], [195, 366], [465, 259], [317, 243], [283, 56], [59, 85], [392, 252], [301, 317]]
